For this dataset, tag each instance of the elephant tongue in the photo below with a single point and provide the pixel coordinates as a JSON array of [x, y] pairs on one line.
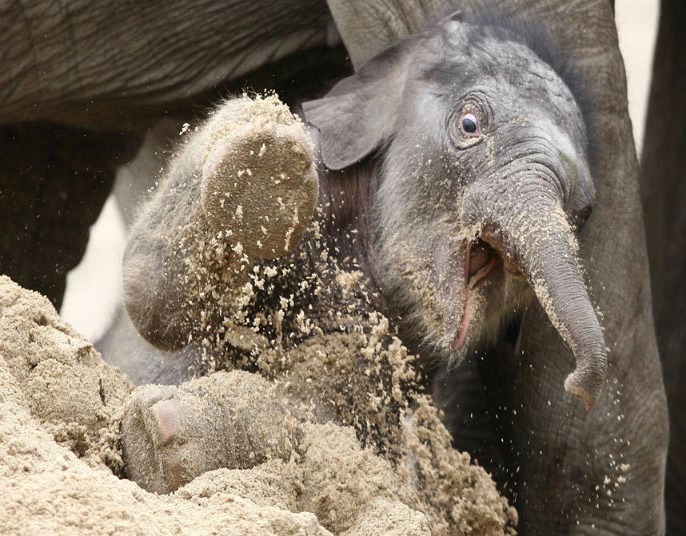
[[461, 335], [481, 260]]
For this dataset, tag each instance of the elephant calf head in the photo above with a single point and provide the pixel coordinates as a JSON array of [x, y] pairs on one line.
[[483, 176]]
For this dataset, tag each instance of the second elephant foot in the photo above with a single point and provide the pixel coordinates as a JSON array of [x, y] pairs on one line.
[[258, 175], [172, 434]]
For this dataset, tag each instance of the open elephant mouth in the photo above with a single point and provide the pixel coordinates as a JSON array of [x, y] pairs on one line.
[[483, 263]]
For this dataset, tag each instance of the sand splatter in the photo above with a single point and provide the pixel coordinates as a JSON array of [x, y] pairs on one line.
[[262, 499]]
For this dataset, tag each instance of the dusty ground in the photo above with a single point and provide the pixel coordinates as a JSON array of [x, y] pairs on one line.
[[61, 408]]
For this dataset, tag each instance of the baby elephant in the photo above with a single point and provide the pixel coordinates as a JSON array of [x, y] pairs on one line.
[[454, 173]]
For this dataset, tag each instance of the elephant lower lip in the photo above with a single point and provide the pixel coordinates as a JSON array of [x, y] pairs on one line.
[[461, 335]]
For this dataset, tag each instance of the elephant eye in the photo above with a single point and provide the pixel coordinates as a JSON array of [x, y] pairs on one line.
[[470, 124]]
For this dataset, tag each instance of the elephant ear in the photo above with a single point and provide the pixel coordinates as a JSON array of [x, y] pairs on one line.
[[358, 115]]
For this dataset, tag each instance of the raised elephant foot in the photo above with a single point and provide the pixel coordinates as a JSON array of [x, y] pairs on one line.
[[232, 420], [243, 187], [259, 179]]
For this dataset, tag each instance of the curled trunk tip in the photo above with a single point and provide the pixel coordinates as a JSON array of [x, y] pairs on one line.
[[587, 380]]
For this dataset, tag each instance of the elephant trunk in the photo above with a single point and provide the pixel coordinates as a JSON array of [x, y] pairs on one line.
[[524, 220]]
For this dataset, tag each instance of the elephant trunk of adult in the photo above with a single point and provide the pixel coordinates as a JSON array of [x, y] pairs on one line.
[[523, 219]]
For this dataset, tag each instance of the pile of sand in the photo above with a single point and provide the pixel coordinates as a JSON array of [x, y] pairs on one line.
[[57, 404], [61, 409]]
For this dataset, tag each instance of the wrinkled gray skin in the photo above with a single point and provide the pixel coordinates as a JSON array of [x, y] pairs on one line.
[[517, 185], [119, 66], [514, 184], [663, 191]]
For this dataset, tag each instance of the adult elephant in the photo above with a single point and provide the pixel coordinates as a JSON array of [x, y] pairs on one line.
[[571, 472], [663, 189]]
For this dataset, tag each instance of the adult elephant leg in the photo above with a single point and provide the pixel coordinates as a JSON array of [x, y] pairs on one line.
[[663, 191], [54, 181], [600, 472], [597, 472]]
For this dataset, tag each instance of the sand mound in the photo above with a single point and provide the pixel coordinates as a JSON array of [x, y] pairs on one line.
[[55, 382], [48, 490], [61, 409], [66, 384]]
